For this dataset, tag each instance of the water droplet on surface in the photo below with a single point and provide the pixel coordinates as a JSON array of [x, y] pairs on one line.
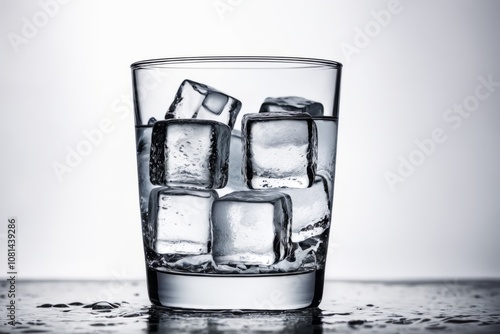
[[132, 315], [98, 324], [460, 321], [60, 305], [103, 305], [435, 327], [45, 305]]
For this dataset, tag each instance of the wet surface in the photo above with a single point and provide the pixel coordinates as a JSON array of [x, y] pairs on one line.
[[347, 307]]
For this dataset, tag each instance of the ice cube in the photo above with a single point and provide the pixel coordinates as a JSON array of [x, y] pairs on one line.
[[327, 148], [180, 220], [311, 210], [280, 150], [197, 100], [292, 103], [251, 228], [190, 153]]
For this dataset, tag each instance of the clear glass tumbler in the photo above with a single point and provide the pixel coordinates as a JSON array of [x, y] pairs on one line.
[[236, 164]]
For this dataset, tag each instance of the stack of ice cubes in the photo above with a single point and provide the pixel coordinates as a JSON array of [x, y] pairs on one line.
[[273, 199]]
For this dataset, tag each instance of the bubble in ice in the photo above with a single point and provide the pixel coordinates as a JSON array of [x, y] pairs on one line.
[[190, 153], [292, 103], [251, 228], [280, 150], [180, 220], [197, 100]]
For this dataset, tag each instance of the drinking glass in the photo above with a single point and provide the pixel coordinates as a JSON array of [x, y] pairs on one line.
[[236, 165]]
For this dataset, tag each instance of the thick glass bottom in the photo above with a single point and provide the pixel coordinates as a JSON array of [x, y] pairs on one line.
[[286, 291]]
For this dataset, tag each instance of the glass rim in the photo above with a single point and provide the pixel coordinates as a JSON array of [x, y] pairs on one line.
[[296, 61]]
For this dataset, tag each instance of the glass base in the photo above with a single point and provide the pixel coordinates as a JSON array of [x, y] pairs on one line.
[[227, 292]]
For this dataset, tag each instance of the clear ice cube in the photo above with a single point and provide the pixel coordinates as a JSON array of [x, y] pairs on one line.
[[197, 100], [292, 103], [251, 228], [311, 210], [180, 220], [280, 150], [190, 153], [327, 144]]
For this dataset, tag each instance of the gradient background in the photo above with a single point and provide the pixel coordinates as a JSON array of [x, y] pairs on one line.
[[443, 221]]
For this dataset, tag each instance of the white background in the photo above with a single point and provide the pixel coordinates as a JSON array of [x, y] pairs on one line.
[[72, 72]]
